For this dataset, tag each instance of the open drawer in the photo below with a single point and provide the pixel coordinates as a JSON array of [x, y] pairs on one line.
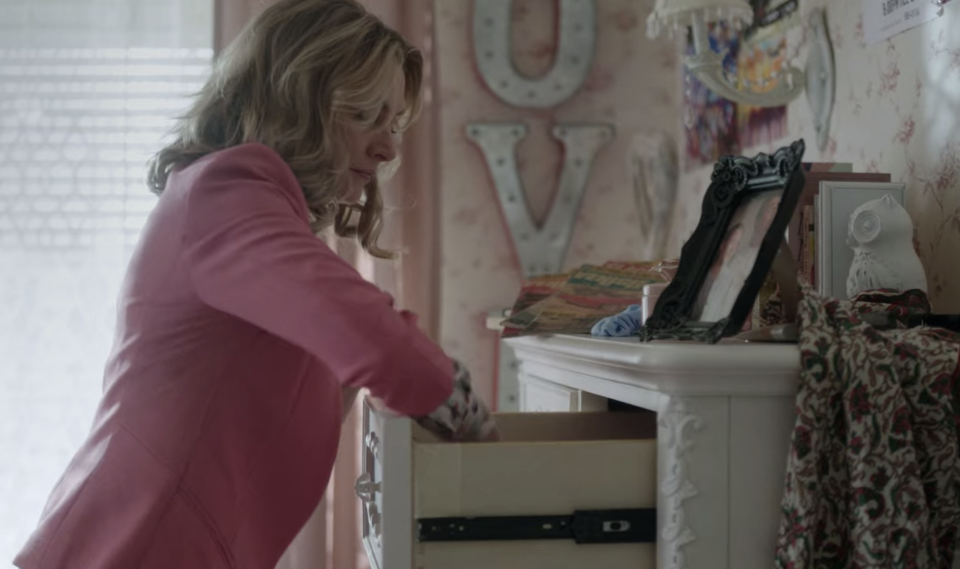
[[432, 504]]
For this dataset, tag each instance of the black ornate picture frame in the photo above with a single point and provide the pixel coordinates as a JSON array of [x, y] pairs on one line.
[[735, 182]]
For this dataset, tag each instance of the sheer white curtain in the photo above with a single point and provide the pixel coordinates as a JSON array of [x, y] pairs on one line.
[[88, 89]]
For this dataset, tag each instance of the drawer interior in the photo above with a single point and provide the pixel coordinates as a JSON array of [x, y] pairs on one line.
[[565, 427], [545, 464]]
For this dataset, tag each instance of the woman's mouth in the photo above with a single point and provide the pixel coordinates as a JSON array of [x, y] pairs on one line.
[[364, 174]]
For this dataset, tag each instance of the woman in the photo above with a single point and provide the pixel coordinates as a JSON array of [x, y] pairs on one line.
[[238, 328]]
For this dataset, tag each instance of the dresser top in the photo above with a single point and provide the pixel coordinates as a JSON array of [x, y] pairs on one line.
[[689, 368]]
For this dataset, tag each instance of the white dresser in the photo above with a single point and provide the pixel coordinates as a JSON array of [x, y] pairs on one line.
[[724, 414], [559, 491], [707, 449]]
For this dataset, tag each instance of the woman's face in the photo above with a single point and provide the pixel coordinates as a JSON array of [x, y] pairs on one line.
[[369, 145]]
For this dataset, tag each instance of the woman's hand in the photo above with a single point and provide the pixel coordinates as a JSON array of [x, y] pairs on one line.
[[464, 416], [493, 437]]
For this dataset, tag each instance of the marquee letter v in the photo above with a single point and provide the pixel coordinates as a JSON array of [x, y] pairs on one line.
[[541, 250]]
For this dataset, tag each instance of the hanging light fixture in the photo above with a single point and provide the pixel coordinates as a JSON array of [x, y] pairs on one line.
[[707, 65]]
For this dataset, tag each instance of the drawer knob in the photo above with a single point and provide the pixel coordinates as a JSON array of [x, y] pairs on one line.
[[373, 445], [366, 487]]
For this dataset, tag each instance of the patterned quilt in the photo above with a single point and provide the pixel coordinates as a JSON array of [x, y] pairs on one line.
[[873, 475]]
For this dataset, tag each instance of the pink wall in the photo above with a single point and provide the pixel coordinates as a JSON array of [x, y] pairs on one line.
[[411, 208], [898, 111], [632, 85]]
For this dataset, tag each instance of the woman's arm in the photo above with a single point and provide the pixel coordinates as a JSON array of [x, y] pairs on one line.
[[249, 250]]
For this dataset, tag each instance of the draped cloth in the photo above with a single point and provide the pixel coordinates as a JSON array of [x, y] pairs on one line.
[[873, 474]]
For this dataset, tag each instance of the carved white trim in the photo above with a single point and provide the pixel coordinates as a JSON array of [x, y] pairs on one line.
[[676, 488], [676, 369]]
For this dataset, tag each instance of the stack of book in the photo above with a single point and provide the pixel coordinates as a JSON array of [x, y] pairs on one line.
[[805, 233], [571, 303]]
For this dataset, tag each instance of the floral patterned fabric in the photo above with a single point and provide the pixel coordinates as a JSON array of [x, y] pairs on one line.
[[873, 475], [464, 416]]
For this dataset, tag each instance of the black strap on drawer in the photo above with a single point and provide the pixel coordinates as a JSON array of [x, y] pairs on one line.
[[584, 526]]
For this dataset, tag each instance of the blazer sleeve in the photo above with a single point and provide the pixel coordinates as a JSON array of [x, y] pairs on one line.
[[250, 253]]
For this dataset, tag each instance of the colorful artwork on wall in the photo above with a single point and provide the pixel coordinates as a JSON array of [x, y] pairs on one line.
[[710, 119], [716, 126], [773, 17], [763, 53], [758, 62]]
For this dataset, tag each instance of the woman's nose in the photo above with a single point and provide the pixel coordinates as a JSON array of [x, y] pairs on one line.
[[384, 147]]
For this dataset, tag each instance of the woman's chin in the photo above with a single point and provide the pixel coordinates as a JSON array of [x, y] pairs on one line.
[[352, 196]]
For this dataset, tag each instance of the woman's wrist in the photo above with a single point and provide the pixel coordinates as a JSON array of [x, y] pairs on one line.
[[463, 416]]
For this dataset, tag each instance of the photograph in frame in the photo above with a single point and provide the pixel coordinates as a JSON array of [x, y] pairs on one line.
[[743, 221], [837, 202], [738, 254]]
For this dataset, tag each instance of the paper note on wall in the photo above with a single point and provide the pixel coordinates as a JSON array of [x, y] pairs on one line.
[[886, 18]]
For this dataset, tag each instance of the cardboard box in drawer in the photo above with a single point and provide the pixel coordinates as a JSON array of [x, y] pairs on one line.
[[561, 490]]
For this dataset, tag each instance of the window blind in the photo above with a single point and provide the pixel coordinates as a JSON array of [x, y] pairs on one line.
[[88, 92]]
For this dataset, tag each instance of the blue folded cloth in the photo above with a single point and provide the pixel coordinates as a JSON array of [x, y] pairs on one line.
[[627, 323]]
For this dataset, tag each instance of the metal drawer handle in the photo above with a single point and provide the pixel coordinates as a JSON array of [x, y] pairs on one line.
[[618, 526], [373, 444], [366, 487], [373, 517]]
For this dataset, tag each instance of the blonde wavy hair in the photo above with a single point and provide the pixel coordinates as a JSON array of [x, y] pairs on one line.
[[293, 80]]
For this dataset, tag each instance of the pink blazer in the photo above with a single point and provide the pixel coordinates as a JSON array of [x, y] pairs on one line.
[[220, 416]]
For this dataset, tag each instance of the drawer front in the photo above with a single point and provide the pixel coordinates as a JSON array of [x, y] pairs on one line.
[[384, 489], [540, 396], [552, 554], [547, 464]]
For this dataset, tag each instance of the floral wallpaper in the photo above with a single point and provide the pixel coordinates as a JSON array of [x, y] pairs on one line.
[[897, 110], [632, 85]]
